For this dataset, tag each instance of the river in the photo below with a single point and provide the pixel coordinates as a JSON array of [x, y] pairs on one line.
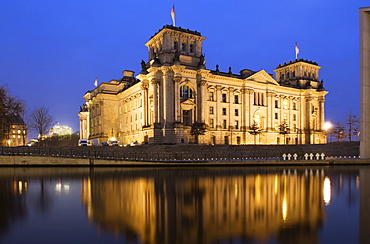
[[205, 205]]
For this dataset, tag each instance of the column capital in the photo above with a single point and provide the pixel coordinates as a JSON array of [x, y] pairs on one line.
[[154, 81], [202, 82], [177, 79]]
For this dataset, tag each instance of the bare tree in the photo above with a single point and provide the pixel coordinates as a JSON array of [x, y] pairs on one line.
[[40, 120], [338, 131], [254, 129], [352, 126], [284, 130]]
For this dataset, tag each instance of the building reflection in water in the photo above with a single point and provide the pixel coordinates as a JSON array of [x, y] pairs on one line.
[[168, 207]]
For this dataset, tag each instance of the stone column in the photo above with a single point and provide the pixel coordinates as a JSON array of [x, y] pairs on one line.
[[321, 113], [308, 116], [177, 81], [270, 110], [168, 96], [145, 87], [218, 103], [154, 83], [243, 115], [230, 112], [202, 101], [251, 106]]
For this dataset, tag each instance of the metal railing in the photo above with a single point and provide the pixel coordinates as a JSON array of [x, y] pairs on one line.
[[124, 155]]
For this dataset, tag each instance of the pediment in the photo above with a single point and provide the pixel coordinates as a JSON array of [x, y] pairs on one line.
[[188, 102], [262, 77]]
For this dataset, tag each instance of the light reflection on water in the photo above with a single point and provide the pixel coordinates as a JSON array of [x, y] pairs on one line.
[[185, 205]]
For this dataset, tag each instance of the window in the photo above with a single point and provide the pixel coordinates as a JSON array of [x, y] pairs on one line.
[[224, 124], [294, 117], [276, 104], [236, 99], [210, 96], [211, 123], [226, 140], [210, 110], [238, 140], [224, 97], [236, 112], [285, 117], [175, 45], [236, 124], [186, 115], [183, 47], [294, 105], [276, 116], [224, 112], [285, 104], [186, 92], [191, 48]]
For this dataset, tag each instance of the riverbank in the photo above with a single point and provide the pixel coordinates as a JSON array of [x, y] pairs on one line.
[[48, 161], [184, 155]]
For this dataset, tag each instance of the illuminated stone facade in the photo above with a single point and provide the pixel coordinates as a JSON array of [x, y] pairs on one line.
[[174, 98]]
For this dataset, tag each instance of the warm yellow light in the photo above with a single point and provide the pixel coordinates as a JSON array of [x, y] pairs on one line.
[[328, 125], [20, 188], [284, 209], [327, 191]]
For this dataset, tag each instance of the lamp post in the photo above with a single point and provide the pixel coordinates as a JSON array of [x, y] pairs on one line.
[[327, 127]]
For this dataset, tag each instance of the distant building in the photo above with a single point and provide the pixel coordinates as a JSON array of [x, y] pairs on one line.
[[175, 99], [16, 134], [60, 130]]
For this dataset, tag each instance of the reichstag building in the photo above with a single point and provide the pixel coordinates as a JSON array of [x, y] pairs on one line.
[[175, 99]]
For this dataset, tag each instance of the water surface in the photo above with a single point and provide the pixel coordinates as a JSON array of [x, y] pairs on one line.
[[185, 205]]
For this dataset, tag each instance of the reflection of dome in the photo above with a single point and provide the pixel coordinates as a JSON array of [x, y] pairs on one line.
[[168, 207]]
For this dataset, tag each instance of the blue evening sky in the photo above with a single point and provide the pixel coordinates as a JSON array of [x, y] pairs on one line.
[[51, 51]]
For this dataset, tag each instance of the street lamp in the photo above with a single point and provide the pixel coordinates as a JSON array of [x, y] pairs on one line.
[[327, 127]]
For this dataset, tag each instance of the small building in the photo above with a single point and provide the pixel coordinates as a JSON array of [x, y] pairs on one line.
[[16, 133], [60, 130], [175, 99]]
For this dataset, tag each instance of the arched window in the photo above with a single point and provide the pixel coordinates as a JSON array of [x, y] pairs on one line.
[[186, 92], [191, 48], [183, 47], [175, 46]]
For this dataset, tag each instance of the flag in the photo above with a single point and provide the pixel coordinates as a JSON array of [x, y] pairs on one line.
[[96, 82], [173, 15], [296, 50]]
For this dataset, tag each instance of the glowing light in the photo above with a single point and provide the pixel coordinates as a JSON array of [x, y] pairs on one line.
[[284, 209], [20, 187], [328, 126], [327, 191]]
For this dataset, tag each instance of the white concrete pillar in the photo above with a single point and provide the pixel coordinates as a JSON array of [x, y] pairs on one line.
[[365, 82]]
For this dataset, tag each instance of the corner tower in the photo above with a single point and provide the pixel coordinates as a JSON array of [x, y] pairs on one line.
[[175, 45], [299, 73]]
